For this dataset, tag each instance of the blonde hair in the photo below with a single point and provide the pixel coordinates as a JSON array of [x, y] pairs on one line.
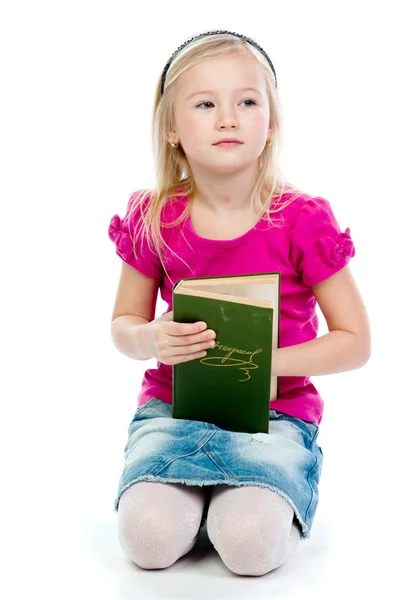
[[173, 174]]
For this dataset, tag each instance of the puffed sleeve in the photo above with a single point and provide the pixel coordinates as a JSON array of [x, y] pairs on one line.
[[318, 247], [142, 257]]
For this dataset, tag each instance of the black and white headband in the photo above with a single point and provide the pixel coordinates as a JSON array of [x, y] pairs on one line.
[[200, 35]]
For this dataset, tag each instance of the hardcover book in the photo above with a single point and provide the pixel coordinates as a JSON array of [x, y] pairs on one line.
[[232, 386]]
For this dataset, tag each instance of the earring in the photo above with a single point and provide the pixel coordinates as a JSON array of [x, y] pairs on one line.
[[174, 145]]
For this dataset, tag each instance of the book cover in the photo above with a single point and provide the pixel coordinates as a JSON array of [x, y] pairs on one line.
[[232, 386]]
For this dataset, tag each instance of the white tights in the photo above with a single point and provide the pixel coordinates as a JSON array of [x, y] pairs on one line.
[[251, 528]]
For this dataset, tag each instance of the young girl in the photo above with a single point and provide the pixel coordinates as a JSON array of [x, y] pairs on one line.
[[222, 207]]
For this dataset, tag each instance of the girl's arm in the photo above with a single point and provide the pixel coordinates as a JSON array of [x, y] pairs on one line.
[[347, 346], [137, 334], [134, 308]]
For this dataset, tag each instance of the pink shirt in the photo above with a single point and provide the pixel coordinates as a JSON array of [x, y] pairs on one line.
[[306, 248]]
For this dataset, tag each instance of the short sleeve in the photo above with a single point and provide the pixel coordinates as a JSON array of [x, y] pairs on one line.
[[318, 247], [142, 257]]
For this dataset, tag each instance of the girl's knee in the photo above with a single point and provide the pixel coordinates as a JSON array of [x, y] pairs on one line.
[[157, 525], [251, 530], [252, 553]]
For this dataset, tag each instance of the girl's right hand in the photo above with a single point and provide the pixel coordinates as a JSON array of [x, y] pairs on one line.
[[172, 343]]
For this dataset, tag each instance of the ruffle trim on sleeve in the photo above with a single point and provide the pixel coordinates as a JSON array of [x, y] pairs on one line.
[[120, 237], [337, 251]]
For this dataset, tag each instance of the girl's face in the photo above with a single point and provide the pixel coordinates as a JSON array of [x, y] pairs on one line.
[[219, 98]]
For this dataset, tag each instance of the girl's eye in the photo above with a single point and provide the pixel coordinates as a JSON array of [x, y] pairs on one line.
[[203, 104], [252, 101]]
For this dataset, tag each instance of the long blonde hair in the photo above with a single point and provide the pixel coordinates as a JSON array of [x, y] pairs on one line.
[[173, 175]]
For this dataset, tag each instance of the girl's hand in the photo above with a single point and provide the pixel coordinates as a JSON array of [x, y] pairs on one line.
[[172, 343]]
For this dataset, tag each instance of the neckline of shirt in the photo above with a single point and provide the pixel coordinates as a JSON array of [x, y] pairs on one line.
[[218, 243]]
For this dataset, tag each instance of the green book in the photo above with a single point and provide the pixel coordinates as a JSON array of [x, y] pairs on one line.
[[232, 386]]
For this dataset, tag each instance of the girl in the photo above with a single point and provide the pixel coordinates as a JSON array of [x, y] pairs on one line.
[[222, 207]]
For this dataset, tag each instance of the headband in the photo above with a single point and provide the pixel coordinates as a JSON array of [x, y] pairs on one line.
[[200, 35]]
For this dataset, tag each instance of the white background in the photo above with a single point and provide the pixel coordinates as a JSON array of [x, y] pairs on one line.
[[78, 81]]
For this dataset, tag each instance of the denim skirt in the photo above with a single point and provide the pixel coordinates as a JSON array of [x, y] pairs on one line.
[[287, 460]]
